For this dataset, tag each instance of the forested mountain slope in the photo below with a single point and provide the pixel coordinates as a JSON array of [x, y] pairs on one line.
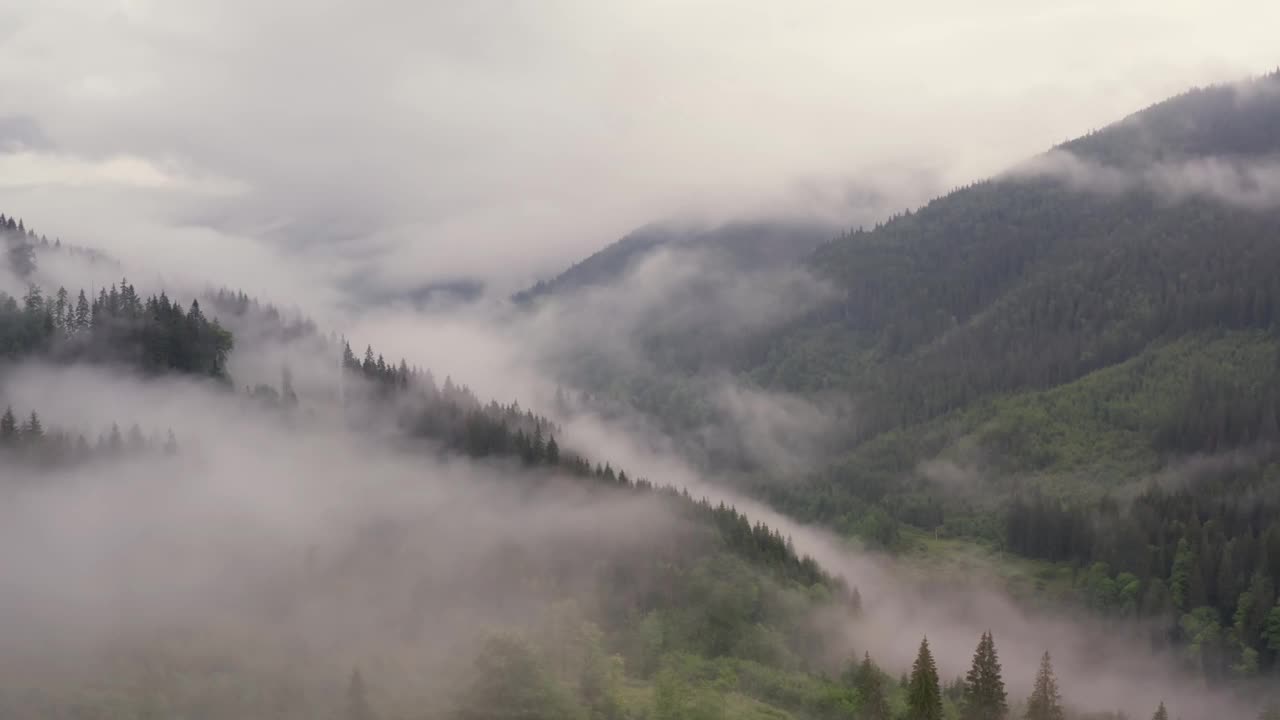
[[1023, 357], [1027, 355], [632, 600], [741, 245], [712, 593], [1028, 348], [1035, 278]]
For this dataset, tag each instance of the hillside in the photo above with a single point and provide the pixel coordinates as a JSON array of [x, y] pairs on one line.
[[1069, 333], [454, 560], [625, 612], [740, 245]]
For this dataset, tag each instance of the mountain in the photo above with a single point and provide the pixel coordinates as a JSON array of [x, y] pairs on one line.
[[744, 245], [1076, 363], [690, 590], [1042, 361], [1040, 277], [395, 547]]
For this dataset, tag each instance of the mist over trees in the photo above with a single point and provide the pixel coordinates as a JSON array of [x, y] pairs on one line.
[[153, 335], [1114, 377], [1039, 363], [726, 610]]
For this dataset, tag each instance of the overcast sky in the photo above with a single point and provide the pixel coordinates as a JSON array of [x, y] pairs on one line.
[[413, 140]]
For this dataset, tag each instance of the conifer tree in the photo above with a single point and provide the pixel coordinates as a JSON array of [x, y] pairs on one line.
[[869, 682], [1045, 703], [21, 257], [924, 696], [60, 307], [288, 395], [136, 442], [1161, 713], [8, 427], [358, 707], [115, 443], [83, 315], [984, 693], [33, 430]]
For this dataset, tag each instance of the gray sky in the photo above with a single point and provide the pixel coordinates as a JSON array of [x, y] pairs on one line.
[[414, 140]]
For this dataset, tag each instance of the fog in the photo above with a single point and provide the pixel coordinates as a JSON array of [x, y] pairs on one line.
[[280, 547], [353, 554], [325, 156], [1101, 665], [219, 539], [419, 141], [1250, 183]]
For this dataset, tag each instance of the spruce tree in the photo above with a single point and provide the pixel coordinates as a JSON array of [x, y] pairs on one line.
[[1045, 703], [83, 315], [869, 682], [358, 707], [115, 443], [984, 694], [8, 427], [33, 430], [924, 696], [22, 260], [1161, 713], [288, 394], [60, 307]]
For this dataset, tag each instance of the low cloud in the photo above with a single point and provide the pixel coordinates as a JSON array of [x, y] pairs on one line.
[[953, 477], [1250, 183], [28, 168], [280, 544]]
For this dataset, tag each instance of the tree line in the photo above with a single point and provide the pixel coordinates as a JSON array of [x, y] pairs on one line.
[[27, 442], [1203, 559], [153, 336]]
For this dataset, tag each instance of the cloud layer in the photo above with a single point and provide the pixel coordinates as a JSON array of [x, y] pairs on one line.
[[431, 139]]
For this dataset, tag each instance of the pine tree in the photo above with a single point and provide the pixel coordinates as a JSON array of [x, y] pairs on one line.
[[1161, 713], [60, 307], [289, 396], [924, 696], [1045, 703], [869, 682], [32, 429], [135, 443], [984, 694], [537, 448], [8, 427], [358, 707], [83, 316], [21, 257]]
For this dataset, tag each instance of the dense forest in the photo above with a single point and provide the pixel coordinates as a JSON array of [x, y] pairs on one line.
[[29, 443], [1064, 346], [718, 622], [724, 593], [1096, 373]]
